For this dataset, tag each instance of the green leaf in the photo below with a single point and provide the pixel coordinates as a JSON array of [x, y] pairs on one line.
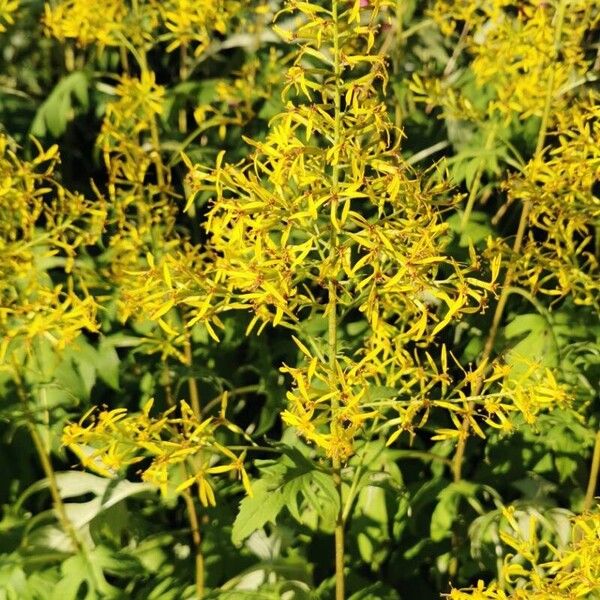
[[107, 493], [84, 356], [264, 506], [108, 363], [357, 327], [73, 577], [377, 591], [79, 88], [381, 392], [535, 342], [371, 521], [53, 115], [446, 511], [566, 467], [476, 230], [84, 571]]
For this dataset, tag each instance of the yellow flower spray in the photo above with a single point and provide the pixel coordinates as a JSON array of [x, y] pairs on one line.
[[325, 221]]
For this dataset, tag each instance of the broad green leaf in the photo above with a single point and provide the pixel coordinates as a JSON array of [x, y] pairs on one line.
[[73, 484], [447, 508], [370, 521], [264, 506], [108, 363], [535, 342]]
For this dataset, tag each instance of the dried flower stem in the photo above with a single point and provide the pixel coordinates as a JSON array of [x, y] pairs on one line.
[[458, 459]]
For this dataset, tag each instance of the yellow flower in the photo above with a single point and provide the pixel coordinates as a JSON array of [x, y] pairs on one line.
[[571, 572], [87, 21], [116, 439], [7, 10]]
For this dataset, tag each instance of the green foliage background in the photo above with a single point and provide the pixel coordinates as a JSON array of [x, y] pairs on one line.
[[414, 530]]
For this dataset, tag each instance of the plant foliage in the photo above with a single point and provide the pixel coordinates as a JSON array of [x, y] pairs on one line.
[[299, 299]]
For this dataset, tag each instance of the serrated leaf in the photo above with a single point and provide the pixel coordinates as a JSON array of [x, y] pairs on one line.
[[79, 88], [54, 113], [264, 506], [476, 230]]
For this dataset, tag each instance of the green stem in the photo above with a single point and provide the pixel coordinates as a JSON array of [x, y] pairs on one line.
[[458, 48], [358, 474], [241, 448], [511, 269], [423, 455], [410, 31], [397, 59], [142, 58], [124, 59], [593, 480], [190, 507], [197, 540], [189, 501], [332, 310], [192, 383], [427, 152], [46, 464], [458, 459], [477, 181], [246, 389], [183, 75]]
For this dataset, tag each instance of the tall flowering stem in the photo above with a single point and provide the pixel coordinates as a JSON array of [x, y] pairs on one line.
[[518, 242], [332, 307], [327, 219]]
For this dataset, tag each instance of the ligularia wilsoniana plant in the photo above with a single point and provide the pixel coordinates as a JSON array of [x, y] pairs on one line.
[[325, 220], [324, 228]]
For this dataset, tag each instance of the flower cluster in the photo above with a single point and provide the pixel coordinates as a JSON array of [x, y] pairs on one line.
[[7, 11], [113, 440], [489, 395], [190, 22], [559, 257], [513, 49], [42, 226], [176, 292], [327, 218], [533, 60], [87, 22], [237, 97], [181, 23], [571, 572]]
